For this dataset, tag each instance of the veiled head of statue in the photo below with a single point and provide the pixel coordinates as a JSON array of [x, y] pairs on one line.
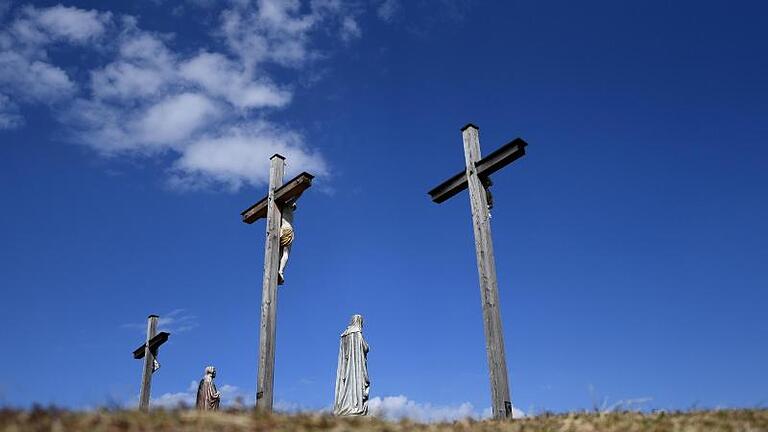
[[357, 320], [210, 370]]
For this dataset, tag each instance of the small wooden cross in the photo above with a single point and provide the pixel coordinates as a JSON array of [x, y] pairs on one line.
[[270, 207], [148, 351], [476, 178]]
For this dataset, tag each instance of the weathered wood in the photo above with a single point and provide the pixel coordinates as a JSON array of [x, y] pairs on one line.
[[486, 166], [266, 371], [476, 178], [501, 157], [153, 343], [149, 359], [294, 188], [486, 267]]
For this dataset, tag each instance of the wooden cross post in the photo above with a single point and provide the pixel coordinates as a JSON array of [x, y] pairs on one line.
[[270, 207], [476, 178], [148, 351]]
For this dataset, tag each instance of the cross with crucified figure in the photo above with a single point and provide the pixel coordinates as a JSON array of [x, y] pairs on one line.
[[278, 208]]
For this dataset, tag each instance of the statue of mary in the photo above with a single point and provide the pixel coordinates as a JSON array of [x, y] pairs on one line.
[[352, 381]]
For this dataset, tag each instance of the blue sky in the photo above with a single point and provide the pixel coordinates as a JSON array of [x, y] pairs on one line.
[[631, 240]]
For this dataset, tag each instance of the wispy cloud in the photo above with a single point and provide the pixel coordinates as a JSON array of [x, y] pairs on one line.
[[205, 110], [175, 321], [231, 396], [177, 399], [388, 407], [626, 404], [387, 9], [633, 404], [400, 407], [9, 113]]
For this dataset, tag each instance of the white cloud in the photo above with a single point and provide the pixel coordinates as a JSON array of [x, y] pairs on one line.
[[70, 23], [388, 9], [174, 400], [633, 404], [9, 113], [400, 407], [33, 80], [389, 407], [205, 110], [231, 396], [144, 66], [271, 31], [240, 155], [40, 26], [175, 321], [349, 29], [222, 77], [177, 399], [276, 30], [176, 117], [25, 69]]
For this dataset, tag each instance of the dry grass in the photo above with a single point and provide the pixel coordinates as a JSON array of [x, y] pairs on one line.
[[54, 420]]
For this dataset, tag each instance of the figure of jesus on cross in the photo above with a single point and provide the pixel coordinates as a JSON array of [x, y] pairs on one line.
[[286, 237]]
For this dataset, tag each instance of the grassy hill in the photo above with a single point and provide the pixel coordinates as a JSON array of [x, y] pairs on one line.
[[54, 420]]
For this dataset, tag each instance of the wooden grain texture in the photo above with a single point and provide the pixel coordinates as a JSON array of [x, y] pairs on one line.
[[486, 166], [292, 189], [501, 157], [266, 371], [149, 358], [154, 345], [486, 267]]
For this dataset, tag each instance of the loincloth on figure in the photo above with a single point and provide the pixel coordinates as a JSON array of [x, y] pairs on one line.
[[286, 236]]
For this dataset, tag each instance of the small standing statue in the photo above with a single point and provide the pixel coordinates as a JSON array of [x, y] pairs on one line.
[[208, 397], [352, 381], [286, 238]]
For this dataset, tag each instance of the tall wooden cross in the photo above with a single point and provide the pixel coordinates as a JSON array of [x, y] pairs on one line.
[[270, 207], [476, 178], [148, 351]]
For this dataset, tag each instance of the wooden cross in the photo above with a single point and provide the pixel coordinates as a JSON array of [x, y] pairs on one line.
[[270, 207], [476, 178], [148, 351]]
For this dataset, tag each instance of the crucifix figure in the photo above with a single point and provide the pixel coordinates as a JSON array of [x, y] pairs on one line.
[[286, 238], [476, 178], [148, 351], [277, 207]]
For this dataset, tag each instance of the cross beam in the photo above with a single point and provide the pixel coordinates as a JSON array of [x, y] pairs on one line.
[[153, 343], [294, 188], [476, 178], [486, 166]]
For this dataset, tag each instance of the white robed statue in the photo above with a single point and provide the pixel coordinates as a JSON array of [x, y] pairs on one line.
[[352, 381], [208, 397]]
